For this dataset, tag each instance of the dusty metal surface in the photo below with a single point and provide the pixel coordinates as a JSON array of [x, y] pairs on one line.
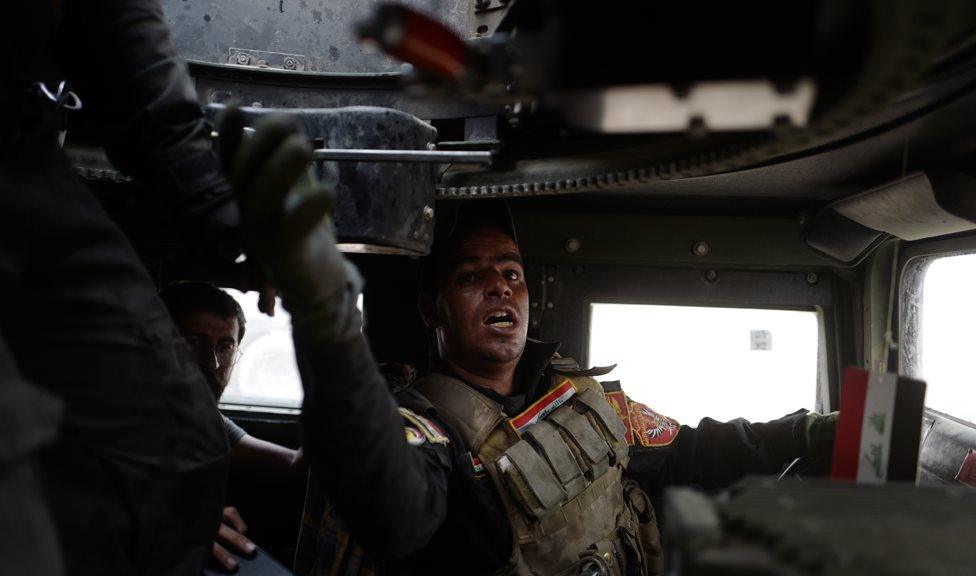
[[383, 207], [839, 528], [318, 31], [817, 527], [290, 54], [279, 88]]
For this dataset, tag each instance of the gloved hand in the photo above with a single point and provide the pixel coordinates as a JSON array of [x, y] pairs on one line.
[[286, 222], [819, 432]]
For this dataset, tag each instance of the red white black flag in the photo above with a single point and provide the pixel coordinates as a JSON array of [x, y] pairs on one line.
[[879, 428]]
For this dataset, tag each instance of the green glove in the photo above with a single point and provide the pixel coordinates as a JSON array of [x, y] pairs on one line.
[[287, 225], [819, 432]]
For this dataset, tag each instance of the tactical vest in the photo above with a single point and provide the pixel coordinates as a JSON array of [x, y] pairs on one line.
[[558, 467]]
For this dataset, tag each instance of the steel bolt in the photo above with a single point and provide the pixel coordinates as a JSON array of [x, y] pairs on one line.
[[243, 58], [812, 278], [428, 213], [550, 305], [534, 305], [711, 275], [290, 63], [550, 279], [572, 245], [700, 248]]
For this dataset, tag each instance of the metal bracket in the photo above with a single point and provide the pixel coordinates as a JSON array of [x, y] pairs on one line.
[[481, 6], [486, 16], [264, 59], [420, 156], [381, 155]]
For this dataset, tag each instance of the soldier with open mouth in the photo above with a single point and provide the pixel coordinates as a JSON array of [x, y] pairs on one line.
[[503, 457]]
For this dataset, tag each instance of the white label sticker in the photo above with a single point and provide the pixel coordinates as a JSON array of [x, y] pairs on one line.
[[761, 340], [879, 413]]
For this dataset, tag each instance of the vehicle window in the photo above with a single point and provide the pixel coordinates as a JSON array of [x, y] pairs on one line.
[[942, 344], [689, 362], [266, 374]]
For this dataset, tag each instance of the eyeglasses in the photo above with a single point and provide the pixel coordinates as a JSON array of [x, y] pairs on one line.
[[226, 353]]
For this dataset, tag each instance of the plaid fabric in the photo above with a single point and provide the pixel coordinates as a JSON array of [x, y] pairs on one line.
[[325, 546]]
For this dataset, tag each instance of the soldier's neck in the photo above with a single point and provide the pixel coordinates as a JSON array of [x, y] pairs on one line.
[[500, 378]]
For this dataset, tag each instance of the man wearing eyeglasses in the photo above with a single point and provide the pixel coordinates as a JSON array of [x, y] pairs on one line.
[[213, 323]]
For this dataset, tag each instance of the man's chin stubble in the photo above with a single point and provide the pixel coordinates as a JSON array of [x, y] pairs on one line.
[[503, 356]]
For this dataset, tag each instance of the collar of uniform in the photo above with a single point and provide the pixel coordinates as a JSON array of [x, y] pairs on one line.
[[528, 374], [535, 359]]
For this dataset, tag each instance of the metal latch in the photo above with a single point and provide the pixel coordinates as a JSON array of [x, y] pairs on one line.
[[264, 59]]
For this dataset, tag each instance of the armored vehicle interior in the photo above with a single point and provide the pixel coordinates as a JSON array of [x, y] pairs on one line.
[[732, 203]]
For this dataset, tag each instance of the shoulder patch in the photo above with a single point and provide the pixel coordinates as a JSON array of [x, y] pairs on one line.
[[651, 429], [645, 427], [425, 427], [414, 436]]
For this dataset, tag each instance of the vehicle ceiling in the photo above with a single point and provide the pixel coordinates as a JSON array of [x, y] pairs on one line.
[[902, 104], [923, 122]]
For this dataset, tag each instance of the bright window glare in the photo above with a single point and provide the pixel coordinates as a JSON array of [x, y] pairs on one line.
[[267, 373], [689, 362], [947, 343]]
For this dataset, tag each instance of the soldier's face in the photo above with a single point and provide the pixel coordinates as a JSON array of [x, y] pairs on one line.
[[482, 306], [214, 340]]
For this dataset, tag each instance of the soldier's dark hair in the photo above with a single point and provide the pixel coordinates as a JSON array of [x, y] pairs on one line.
[[454, 221], [189, 297]]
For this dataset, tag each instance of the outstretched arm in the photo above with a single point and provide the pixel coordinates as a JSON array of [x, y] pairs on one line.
[[716, 454], [393, 495]]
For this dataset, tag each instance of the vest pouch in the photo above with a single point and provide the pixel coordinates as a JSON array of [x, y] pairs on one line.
[[530, 480], [647, 530], [632, 552], [557, 452], [590, 444], [606, 420]]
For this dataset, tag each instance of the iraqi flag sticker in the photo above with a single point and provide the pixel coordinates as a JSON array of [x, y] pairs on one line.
[[543, 407], [879, 428]]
